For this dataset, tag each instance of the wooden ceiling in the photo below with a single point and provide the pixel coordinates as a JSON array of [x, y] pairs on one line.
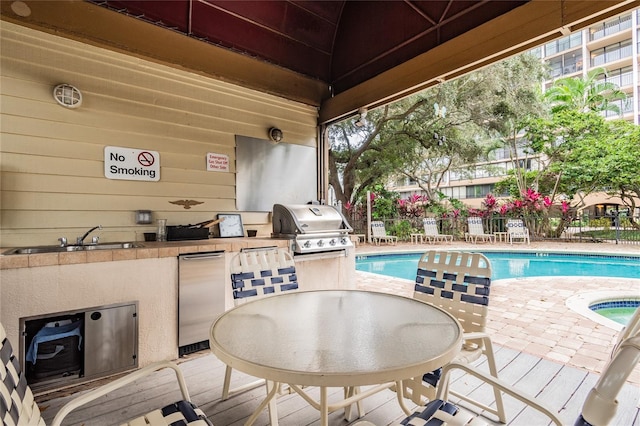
[[336, 55]]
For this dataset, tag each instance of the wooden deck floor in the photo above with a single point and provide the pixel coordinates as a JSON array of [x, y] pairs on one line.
[[562, 388]]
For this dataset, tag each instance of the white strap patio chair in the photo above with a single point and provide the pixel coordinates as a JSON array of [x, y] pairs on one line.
[[516, 230], [431, 232], [476, 231], [18, 406], [379, 233], [599, 408], [264, 272], [257, 273], [459, 283]]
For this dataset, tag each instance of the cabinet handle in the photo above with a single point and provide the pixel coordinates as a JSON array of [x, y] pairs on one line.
[[213, 256]]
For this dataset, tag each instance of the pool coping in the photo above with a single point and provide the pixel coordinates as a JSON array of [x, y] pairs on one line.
[[625, 255], [580, 303], [550, 330]]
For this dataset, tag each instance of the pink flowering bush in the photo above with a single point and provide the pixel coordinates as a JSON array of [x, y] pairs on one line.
[[355, 211], [413, 206], [530, 203]]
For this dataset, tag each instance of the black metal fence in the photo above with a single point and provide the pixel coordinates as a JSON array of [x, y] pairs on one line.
[[618, 230]]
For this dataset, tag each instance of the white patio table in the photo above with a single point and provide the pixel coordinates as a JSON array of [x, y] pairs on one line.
[[334, 338]]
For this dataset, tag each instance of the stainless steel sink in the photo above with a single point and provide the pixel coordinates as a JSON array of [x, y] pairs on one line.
[[59, 249], [111, 246]]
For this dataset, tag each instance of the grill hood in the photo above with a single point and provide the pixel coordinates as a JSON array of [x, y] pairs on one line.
[[311, 228], [297, 219]]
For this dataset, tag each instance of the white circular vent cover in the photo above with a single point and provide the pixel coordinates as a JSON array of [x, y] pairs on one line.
[[67, 95]]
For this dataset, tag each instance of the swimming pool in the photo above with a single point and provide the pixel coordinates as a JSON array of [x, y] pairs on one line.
[[514, 264], [619, 311]]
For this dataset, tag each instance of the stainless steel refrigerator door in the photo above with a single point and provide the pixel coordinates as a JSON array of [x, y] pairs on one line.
[[201, 295]]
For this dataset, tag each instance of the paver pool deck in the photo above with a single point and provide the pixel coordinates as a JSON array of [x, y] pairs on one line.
[[531, 314]]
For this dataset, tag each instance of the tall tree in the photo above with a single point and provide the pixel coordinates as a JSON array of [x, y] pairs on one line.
[[555, 138], [593, 93], [574, 104], [517, 99], [440, 134], [356, 152], [425, 135], [602, 157]]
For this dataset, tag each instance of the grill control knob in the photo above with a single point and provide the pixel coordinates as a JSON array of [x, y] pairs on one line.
[[320, 243], [332, 242], [307, 244], [343, 241]]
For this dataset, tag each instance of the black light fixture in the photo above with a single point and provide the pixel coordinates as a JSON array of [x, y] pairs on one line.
[[275, 134]]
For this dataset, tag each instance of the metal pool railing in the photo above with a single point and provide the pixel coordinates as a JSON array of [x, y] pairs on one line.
[[617, 230]]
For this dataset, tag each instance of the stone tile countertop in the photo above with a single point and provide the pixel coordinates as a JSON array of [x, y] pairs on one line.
[[148, 250]]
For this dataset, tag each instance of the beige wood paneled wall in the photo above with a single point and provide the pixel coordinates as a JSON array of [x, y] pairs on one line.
[[52, 158]]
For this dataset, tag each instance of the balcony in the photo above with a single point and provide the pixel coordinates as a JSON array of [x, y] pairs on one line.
[[609, 28], [600, 59]]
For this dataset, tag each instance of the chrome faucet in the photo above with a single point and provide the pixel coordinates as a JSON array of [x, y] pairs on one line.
[[80, 240]]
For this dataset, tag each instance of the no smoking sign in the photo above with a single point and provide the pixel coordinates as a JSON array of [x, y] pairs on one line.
[[131, 164]]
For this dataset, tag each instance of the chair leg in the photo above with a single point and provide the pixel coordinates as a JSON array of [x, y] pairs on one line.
[[499, 411], [493, 369]]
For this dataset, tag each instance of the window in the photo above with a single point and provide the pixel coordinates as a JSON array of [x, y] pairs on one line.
[[611, 53], [609, 27], [525, 164], [568, 63], [479, 191], [563, 43], [621, 77]]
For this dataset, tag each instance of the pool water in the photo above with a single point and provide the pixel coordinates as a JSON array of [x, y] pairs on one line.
[[514, 265], [619, 315], [619, 311]]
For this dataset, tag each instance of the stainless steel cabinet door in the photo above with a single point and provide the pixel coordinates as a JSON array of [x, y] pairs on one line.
[[111, 340]]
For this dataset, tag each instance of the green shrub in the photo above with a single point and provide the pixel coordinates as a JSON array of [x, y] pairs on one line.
[[402, 230], [625, 222], [603, 222]]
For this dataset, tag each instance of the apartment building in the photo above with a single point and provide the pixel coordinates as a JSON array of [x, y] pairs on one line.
[[612, 44]]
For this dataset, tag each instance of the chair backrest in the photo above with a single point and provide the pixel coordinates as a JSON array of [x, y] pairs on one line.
[[475, 226], [601, 405], [458, 282], [17, 405], [378, 229], [262, 272], [516, 226], [430, 226]]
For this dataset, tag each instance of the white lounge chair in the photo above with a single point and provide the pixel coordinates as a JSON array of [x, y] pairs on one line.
[[516, 230], [431, 232], [476, 230], [379, 233]]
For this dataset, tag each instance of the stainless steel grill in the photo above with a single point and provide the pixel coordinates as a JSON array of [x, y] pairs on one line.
[[312, 228]]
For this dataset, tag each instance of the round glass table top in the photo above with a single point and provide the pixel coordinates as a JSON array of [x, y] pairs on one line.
[[335, 337]]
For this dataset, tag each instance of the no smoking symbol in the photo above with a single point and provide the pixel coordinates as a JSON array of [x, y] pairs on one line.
[[146, 159]]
